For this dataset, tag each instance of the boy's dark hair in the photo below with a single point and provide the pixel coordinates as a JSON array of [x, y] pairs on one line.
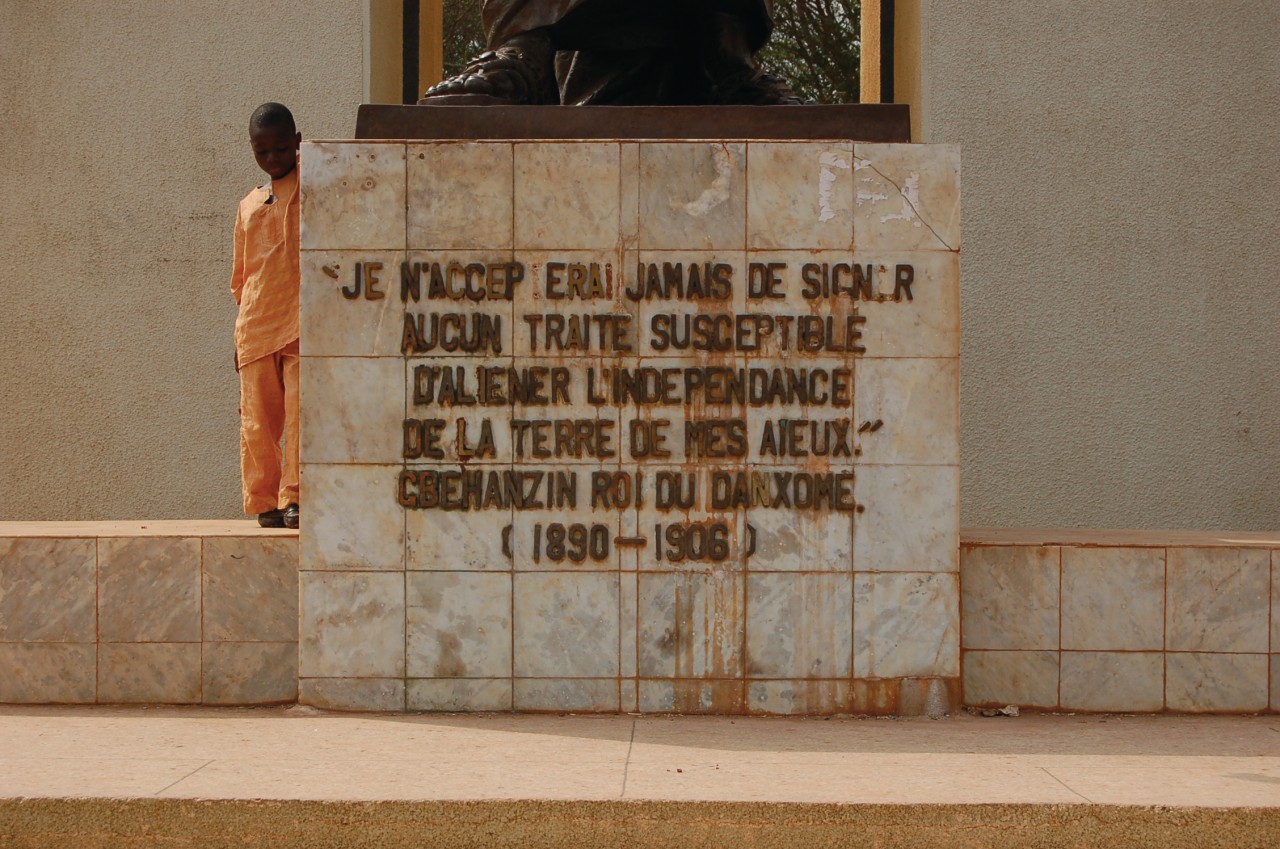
[[271, 115]]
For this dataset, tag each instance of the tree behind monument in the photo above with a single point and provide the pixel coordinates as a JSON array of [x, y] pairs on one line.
[[816, 45]]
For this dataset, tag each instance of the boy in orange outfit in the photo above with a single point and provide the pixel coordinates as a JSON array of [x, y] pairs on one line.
[[265, 281]]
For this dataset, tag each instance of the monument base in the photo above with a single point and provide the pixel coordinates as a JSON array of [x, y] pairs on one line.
[[630, 425]]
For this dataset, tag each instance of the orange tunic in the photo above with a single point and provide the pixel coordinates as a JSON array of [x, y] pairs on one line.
[[266, 275]]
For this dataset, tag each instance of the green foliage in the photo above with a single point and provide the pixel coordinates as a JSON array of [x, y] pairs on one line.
[[816, 45], [463, 34]]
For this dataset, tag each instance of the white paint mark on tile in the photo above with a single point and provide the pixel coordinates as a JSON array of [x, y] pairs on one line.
[[718, 192], [910, 202], [827, 178]]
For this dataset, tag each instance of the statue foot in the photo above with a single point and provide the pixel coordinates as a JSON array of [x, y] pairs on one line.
[[518, 73], [752, 87]]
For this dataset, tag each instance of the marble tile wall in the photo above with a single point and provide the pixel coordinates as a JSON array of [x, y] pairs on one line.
[[148, 620], [569, 263], [1121, 629], [1071, 627]]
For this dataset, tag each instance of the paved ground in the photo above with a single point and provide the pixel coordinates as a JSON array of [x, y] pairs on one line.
[[1025, 770]]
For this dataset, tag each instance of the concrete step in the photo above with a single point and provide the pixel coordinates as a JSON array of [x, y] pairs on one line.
[[170, 777]]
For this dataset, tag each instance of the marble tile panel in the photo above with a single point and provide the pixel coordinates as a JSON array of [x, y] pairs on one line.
[[352, 625], [800, 698], [563, 428], [693, 696], [48, 673], [447, 540], [568, 283], [250, 589], [353, 518], [460, 195], [800, 539], [48, 590], [559, 387], [906, 197], [909, 519], [359, 694], [917, 402], [629, 693], [696, 436], [1275, 601], [249, 673], [1275, 682], [353, 409], [352, 195], [699, 537], [1204, 683], [1009, 597], [693, 196], [931, 697], [459, 303], [808, 304], [448, 389], [1218, 599], [334, 325], [906, 625], [149, 590], [691, 624], [1113, 599], [459, 694], [628, 626], [801, 195], [566, 625], [925, 325], [149, 673], [560, 537], [567, 194], [799, 626], [812, 437], [587, 695], [629, 196], [1112, 681], [1024, 678], [459, 625], [479, 437], [687, 303]]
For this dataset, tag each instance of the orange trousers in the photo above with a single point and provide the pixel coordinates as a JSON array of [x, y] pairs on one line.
[[269, 410]]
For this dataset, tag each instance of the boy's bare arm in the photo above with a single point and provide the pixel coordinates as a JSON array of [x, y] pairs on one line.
[[237, 262]]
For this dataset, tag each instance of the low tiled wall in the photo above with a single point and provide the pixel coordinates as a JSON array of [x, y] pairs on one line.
[[1124, 621], [1087, 620], [152, 613]]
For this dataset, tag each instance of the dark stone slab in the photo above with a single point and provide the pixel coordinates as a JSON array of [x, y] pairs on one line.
[[869, 122]]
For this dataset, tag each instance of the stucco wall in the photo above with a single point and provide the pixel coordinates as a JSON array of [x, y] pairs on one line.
[[123, 149], [1120, 208], [1121, 306]]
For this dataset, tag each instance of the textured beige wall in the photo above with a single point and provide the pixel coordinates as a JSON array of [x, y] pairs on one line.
[[1121, 279], [123, 150], [1120, 272]]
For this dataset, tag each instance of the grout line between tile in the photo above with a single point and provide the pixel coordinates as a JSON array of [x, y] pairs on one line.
[[1164, 636], [1059, 652], [200, 621], [97, 615]]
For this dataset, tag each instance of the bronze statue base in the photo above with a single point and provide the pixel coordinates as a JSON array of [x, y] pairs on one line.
[[867, 122]]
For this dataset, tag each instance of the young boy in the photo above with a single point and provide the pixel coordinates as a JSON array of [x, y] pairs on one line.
[[265, 281]]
